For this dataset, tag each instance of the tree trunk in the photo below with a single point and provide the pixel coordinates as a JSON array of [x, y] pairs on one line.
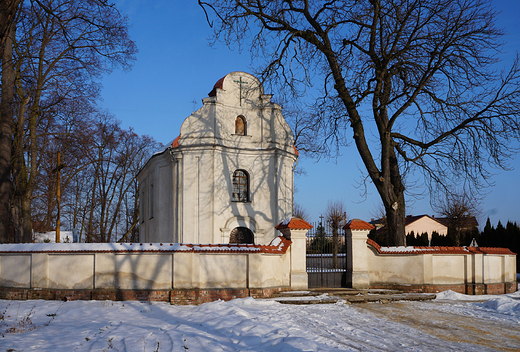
[[24, 176], [387, 178], [395, 217], [6, 134], [26, 220], [16, 213], [7, 12], [22, 219], [391, 189], [19, 174]]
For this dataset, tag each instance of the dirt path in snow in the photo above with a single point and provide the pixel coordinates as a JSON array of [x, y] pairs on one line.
[[481, 327]]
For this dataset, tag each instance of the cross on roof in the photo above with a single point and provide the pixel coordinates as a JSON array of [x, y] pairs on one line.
[[240, 82]]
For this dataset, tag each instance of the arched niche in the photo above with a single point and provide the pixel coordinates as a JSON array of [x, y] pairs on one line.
[[240, 126], [241, 235], [242, 221]]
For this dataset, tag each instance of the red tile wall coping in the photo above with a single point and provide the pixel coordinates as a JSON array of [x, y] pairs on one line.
[[182, 297], [438, 250], [278, 245], [294, 224], [468, 289], [357, 224]]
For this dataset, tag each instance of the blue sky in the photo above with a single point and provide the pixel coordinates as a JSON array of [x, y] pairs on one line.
[[176, 68]]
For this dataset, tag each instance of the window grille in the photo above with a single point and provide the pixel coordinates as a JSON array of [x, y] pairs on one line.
[[240, 186]]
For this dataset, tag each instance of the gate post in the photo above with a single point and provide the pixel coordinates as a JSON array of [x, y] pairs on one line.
[[295, 230], [356, 232]]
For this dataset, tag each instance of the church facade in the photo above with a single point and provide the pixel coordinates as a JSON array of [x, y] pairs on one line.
[[228, 176]]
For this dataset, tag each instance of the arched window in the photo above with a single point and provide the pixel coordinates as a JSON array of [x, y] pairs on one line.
[[240, 186], [241, 235], [240, 125]]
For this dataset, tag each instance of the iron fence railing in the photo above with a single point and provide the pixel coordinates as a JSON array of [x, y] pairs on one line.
[[326, 256]]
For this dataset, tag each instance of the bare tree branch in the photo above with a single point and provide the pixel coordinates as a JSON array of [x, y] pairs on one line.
[[420, 75]]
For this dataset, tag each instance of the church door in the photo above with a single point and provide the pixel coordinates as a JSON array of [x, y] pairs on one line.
[[241, 235]]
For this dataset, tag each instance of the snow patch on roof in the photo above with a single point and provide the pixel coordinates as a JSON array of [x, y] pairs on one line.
[[405, 249], [437, 250], [286, 221], [276, 242], [279, 248]]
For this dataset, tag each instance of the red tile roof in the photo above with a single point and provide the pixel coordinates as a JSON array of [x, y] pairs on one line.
[[374, 244], [413, 218], [278, 245], [490, 250], [437, 250], [294, 224], [219, 85], [175, 143], [356, 224]]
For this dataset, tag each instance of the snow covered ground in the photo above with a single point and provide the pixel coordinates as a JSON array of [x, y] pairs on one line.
[[452, 322]]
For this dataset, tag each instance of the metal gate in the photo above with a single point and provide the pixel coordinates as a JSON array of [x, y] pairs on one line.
[[326, 257]]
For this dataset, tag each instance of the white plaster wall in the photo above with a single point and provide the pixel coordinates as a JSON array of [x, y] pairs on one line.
[[165, 270], [222, 270], [442, 269], [184, 270], [156, 182], [15, 270], [71, 272], [269, 270], [493, 269], [449, 269], [510, 268], [402, 269], [133, 271], [39, 270]]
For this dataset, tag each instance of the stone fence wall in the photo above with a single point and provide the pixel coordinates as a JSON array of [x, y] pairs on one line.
[[179, 273], [469, 270]]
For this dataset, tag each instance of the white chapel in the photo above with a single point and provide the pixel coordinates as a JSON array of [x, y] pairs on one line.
[[228, 176]]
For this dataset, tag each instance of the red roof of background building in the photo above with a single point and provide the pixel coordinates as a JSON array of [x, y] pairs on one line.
[[356, 224], [294, 224]]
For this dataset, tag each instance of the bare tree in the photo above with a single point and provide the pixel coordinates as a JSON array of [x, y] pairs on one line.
[[419, 75], [300, 212], [61, 48], [99, 188], [460, 212], [336, 216], [379, 215]]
